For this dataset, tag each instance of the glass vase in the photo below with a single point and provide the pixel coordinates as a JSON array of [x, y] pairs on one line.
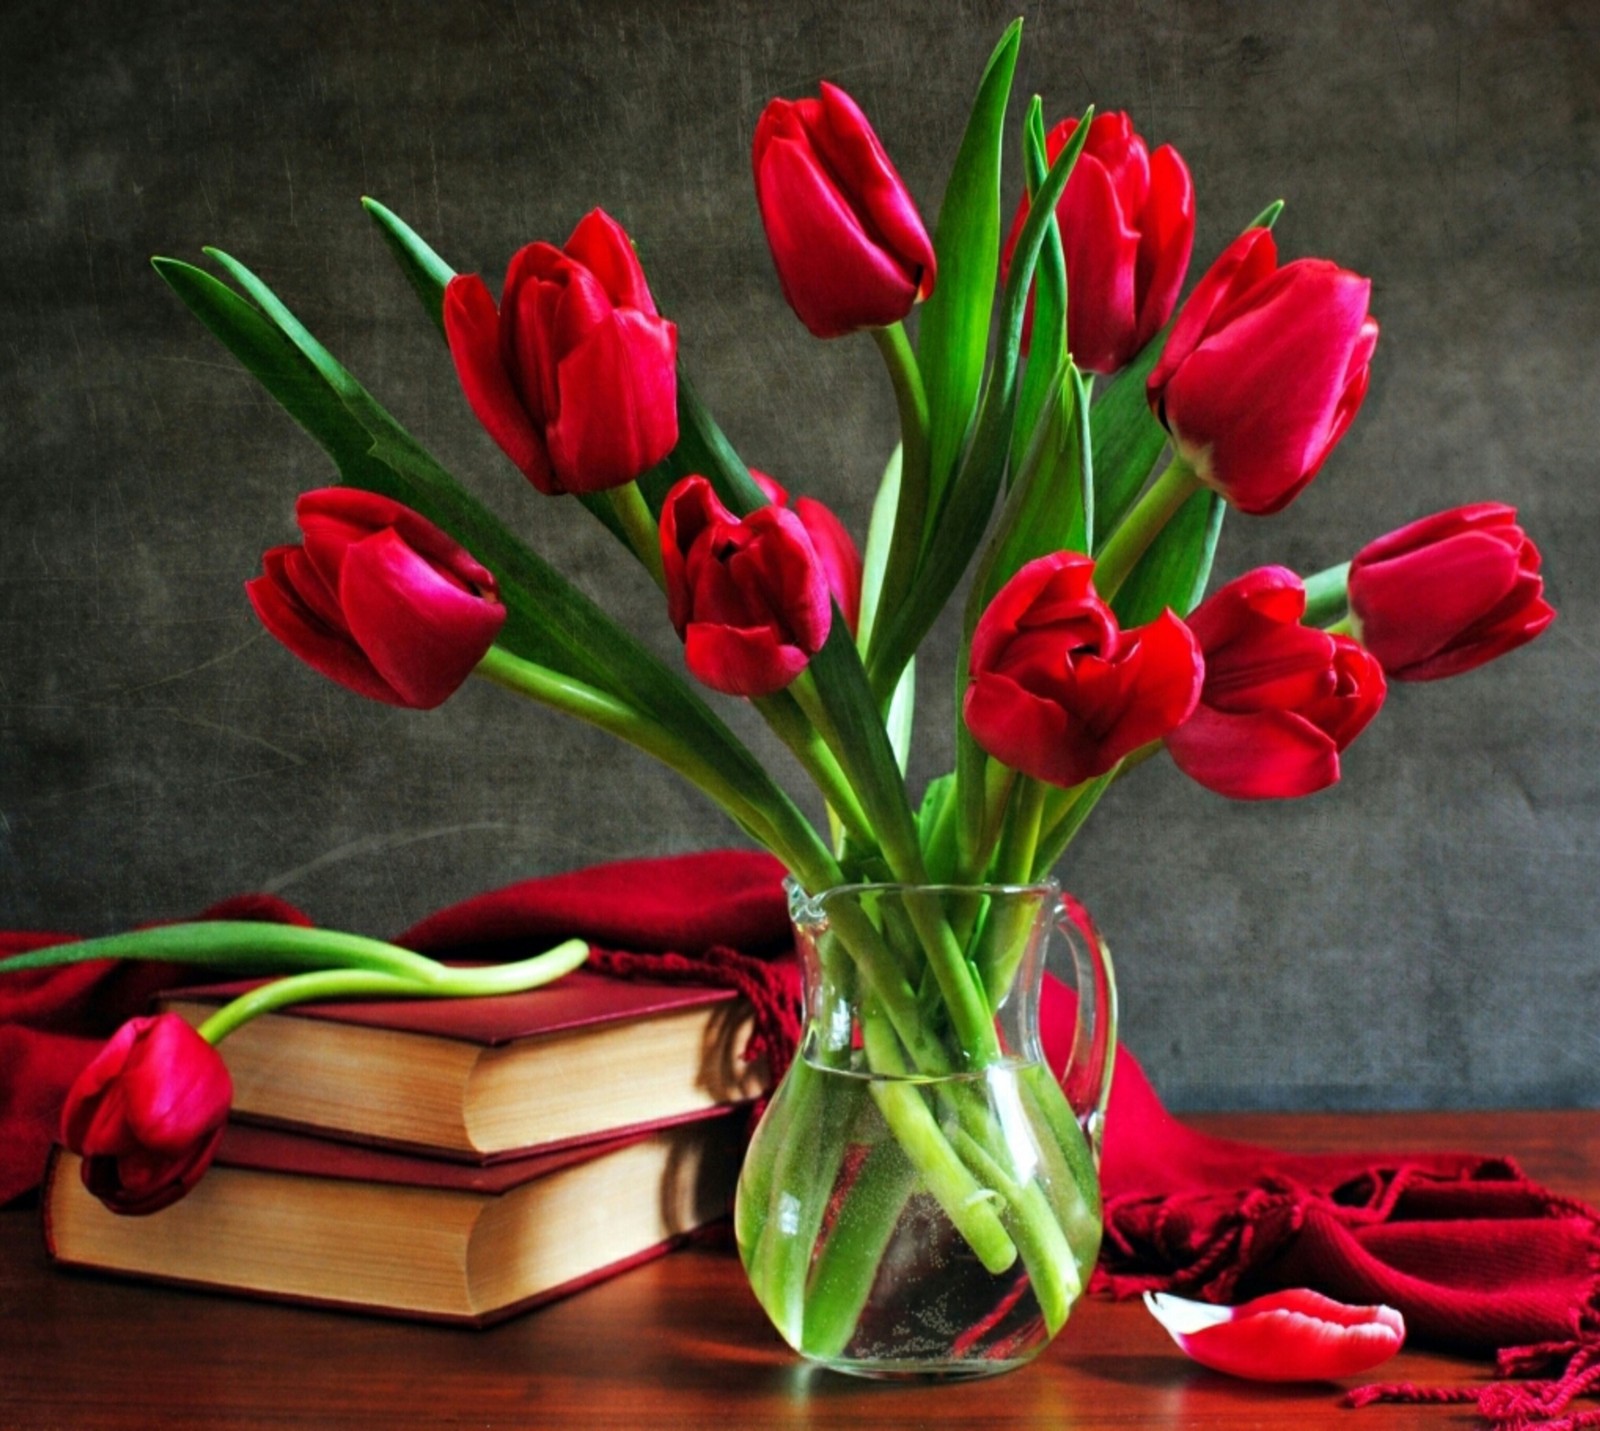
[[920, 1198]]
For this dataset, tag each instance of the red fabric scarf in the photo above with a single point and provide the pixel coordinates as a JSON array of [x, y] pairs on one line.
[[1478, 1258]]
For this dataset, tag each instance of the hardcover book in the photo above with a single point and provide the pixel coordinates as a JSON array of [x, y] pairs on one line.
[[488, 1078], [292, 1217]]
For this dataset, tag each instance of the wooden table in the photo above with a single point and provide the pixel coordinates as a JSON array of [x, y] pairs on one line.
[[679, 1342]]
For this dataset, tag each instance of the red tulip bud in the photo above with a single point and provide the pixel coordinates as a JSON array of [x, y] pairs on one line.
[[147, 1114], [833, 544], [848, 243], [1058, 690], [1280, 700], [378, 599], [1126, 220], [748, 595], [1448, 593], [1265, 369], [575, 374]]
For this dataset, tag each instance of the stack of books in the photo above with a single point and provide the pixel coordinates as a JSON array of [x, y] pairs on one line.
[[454, 1160]]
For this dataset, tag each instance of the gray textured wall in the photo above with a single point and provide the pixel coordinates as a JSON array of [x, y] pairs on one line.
[[1423, 934]]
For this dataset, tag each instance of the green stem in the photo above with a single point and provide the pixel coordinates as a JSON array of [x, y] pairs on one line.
[[1052, 1270], [911, 511], [1138, 529], [966, 1202], [1346, 626], [628, 502], [1327, 595], [1066, 819], [480, 981], [1020, 835], [240, 944], [791, 725], [782, 830]]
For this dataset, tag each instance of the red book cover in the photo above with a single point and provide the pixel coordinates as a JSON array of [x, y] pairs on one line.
[[484, 1079]]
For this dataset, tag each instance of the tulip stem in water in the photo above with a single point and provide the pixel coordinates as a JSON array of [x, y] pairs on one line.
[[1140, 527]]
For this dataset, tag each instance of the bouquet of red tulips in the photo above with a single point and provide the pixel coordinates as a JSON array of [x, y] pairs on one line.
[[1052, 370]]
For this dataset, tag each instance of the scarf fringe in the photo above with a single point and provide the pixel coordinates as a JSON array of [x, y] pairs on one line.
[[1572, 1368]]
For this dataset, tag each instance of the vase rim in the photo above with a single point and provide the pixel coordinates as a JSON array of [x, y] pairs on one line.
[[807, 908]]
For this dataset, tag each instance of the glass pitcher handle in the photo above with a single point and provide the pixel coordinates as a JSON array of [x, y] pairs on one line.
[[1087, 1079]]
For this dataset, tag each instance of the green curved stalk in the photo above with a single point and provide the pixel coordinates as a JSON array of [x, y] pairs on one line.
[[639, 528], [778, 824], [450, 983], [1140, 527], [789, 724], [966, 1202], [239, 944]]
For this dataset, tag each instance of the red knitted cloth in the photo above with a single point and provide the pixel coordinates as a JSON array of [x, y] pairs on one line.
[[1478, 1257], [719, 919]]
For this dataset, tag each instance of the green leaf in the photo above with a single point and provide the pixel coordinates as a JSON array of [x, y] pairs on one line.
[[280, 367], [1048, 349], [880, 535], [900, 719], [961, 525], [425, 271], [954, 332], [1127, 438], [548, 620], [1268, 216], [1175, 569], [1049, 506]]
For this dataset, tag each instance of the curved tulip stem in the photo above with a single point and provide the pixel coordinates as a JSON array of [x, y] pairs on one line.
[[790, 725], [240, 944], [1139, 528], [784, 830], [1063, 818], [490, 979], [1346, 626], [644, 536]]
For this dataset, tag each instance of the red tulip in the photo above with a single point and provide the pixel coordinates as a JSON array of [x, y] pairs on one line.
[[832, 542], [1298, 1335], [1126, 220], [849, 245], [1058, 691], [1265, 369], [748, 595], [1280, 700], [146, 1115], [574, 375], [1448, 593], [378, 599]]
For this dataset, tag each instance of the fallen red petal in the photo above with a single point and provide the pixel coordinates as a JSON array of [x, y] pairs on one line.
[[1298, 1335]]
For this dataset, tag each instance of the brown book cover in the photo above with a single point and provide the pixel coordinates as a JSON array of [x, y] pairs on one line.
[[489, 1078], [297, 1218]]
